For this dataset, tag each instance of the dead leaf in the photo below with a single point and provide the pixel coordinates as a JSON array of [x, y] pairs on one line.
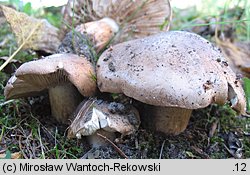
[[234, 145], [238, 56], [2, 19], [45, 38], [213, 128]]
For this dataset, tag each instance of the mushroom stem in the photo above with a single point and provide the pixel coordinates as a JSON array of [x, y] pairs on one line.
[[97, 141], [64, 99], [169, 120]]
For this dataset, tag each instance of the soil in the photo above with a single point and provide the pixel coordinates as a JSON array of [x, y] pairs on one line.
[[204, 138]]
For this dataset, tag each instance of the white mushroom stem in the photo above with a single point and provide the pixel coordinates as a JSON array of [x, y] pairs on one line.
[[170, 120], [97, 141], [64, 99]]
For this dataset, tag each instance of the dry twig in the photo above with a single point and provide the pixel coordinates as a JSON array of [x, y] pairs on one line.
[[116, 148]]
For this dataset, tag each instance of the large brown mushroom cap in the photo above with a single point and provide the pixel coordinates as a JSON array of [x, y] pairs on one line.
[[58, 69], [174, 69], [136, 18]]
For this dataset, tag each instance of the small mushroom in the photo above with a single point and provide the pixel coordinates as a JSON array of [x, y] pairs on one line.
[[66, 76], [100, 32], [94, 116], [102, 19], [174, 71], [89, 38]]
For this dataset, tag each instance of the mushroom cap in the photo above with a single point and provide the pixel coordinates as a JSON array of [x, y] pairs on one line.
[[101, 31], [93, 115], [89, 38], [174, 69], [136, 18], [36, 76]]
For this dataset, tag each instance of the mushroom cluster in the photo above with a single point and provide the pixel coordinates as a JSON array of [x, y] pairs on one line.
[[69, 75], [171, 73]]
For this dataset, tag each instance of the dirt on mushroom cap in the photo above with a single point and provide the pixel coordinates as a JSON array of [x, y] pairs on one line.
[[177, 69], [92, 115]]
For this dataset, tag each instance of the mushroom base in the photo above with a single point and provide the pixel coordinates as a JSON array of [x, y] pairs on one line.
[[64, 100], [171, 120], [97, 141], [168, 120]]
